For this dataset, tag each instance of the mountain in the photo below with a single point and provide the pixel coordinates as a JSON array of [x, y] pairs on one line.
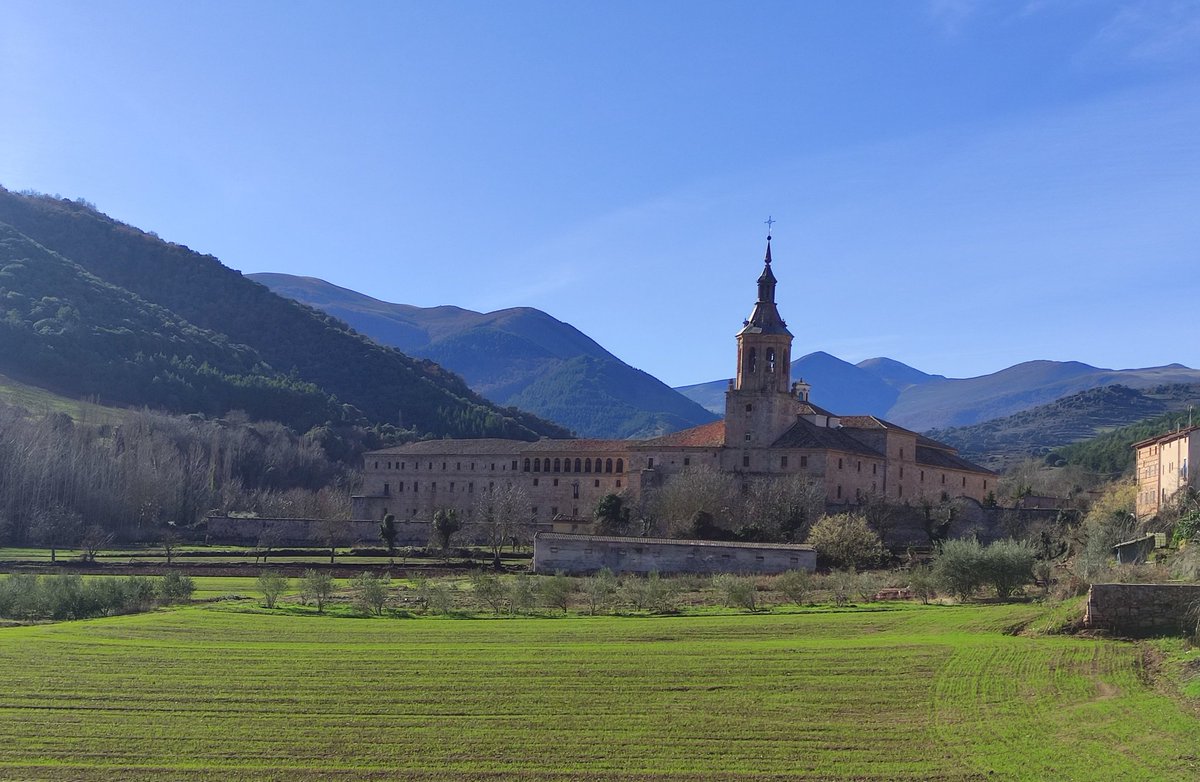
[[921, 401], [961, 402], [1072, 419], [896, 374], [520, 356], [96, 307], [836, 384]]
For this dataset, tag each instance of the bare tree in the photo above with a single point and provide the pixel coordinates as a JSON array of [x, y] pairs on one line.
[[694, 491], [783, 508], [55, 527], [503, 514], [94, 538]]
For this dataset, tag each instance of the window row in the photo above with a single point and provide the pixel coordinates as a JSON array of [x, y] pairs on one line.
[[580, 465]]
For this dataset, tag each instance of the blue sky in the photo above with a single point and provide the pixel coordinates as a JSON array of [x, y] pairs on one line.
[[958, 185]]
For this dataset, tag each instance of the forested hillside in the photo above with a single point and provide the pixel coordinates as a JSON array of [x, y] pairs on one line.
[[184, 332], [1072, 419], [1112, 452]]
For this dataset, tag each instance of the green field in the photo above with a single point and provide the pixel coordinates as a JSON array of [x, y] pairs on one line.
[[224, 691]]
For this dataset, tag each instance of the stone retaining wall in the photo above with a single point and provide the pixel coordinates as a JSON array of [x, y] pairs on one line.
[[1142, 609]]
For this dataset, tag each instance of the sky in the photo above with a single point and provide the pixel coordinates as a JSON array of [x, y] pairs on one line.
[[957, 185]]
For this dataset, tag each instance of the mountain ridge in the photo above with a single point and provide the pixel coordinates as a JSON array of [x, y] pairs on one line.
[[515, 356], [285, 344]]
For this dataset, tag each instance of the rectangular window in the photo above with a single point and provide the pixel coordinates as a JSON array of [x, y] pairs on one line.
[[433, 486], [839, 464], [687, 460], [839, 492], [556, 481], [803, 461], [458, 466], [553, 510], [597, 483], [386, 490], [618, 483], [860, 465], [575, 490], [514, 464], [783, 462], [535, 480], [650, 462], [747, 437], [746, 460], [451, 485]]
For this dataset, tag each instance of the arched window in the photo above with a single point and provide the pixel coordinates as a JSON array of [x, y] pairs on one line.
[[771, 360], [537, 465], [557, 465], [608, 465], [526, 465], [577, 463], [620, 466], [566, 465], [752, 361], [587, 465], [546, 464]]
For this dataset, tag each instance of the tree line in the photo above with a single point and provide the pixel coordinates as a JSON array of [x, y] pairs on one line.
[[154, 472]]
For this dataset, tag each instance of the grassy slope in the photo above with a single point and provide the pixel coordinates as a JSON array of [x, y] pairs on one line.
[[903, 693], [39, 401]]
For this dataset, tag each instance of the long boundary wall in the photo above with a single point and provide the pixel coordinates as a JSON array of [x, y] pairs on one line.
[[576, 554], [1142, 609]]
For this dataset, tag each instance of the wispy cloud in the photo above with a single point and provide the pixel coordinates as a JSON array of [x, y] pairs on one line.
[[1160, 31]]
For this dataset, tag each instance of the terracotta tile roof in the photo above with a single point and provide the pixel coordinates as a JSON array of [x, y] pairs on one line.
[[480, 447], [548, 536], [807, 435], [808, 408], [576, 446], [936, 457], [710, 435], [871, 422]]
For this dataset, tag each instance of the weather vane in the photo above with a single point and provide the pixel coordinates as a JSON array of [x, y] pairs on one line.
[[769, 222]]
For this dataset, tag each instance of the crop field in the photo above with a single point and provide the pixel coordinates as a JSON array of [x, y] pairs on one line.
[[227, 691]]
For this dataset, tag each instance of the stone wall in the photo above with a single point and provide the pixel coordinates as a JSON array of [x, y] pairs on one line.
[[578, 554], [1142, 609], [310, 532]]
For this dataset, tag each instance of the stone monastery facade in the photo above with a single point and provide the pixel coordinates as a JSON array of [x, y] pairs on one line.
[[770, 429]]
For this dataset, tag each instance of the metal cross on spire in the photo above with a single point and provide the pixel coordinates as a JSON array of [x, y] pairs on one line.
[[769, 222]]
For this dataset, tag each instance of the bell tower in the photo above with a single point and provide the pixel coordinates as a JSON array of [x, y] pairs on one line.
[[759, 405]]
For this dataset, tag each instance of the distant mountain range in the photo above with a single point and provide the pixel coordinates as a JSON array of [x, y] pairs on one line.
[[91, 307], [520, 357], [920, 401]]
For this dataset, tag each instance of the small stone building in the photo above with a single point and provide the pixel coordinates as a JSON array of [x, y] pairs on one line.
[[582, 554]]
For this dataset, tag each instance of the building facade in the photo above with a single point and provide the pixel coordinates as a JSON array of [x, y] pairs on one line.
[[1163, 467], [770, 429]]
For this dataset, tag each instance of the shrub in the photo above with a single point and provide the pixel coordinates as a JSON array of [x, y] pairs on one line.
[[651, 593], [795, 585], [921, 583], [487, 591], [439, 598], [737, 592], [272, 584], [958, 568], [557, 591], [841, 585], [175, 588], [317, 586], [846, 540], [1007, 566], [370, 593], [522, 594], [600, 590]]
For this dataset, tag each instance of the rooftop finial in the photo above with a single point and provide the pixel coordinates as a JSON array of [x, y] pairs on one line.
[[769, 222]]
